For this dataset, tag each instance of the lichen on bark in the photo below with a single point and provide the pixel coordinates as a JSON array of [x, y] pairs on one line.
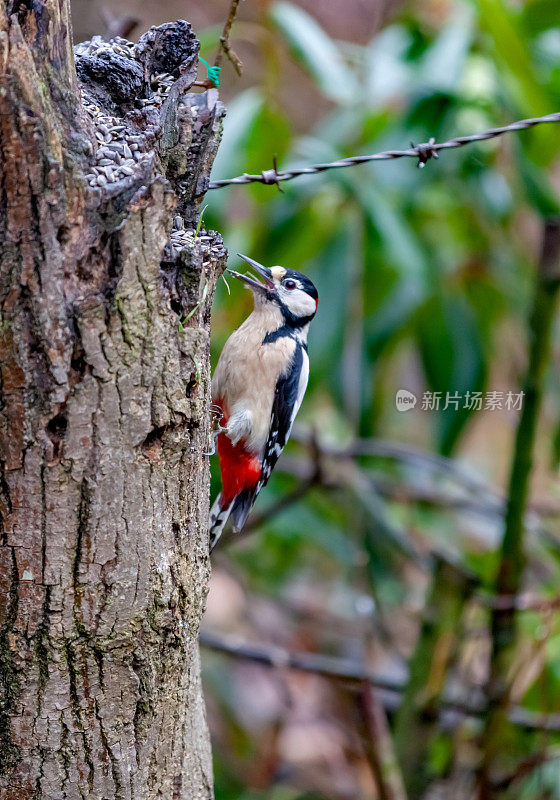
[[104, 367]]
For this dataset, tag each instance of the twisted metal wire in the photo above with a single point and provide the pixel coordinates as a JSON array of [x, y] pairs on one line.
[[423, 152]]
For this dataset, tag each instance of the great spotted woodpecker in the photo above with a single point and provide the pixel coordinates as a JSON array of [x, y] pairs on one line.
[[258, 386]]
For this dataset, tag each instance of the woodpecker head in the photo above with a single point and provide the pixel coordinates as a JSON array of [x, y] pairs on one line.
[[291, 291]]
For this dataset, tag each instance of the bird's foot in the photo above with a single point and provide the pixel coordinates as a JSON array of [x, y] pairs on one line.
[[215, 427]]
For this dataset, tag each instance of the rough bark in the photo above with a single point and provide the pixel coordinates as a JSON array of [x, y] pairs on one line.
[[104, 362]]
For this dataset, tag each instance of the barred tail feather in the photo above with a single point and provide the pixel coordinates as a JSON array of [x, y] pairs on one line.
[[218, 517]]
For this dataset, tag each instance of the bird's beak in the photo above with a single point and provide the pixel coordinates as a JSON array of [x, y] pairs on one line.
[[264, 272]]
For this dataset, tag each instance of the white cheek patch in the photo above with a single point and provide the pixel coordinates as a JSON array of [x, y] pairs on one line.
[[299, 302]]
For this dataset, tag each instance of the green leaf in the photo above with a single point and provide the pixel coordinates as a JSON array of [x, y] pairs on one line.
[[232, 153], [539, 15], [443, 63], [453, 360], [400, 251], [540, 192], [268, 137], [209, 39], [398, 239], [316, 51], [519, 78], [386, 72]]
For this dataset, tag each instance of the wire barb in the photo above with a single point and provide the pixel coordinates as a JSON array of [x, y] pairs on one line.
[[422, 152], [270, 176], [425, 152]]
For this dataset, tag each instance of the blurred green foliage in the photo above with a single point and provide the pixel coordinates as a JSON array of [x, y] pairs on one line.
[[424, 279]]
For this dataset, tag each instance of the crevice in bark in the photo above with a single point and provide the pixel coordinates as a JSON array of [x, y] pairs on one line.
[[5, 501], [42, 650], [78, 364], [56, 428], [84, 506], [74, 680], [98, 655], [154, 441], [118, 783], [10, 683], [143, 713], [43, 520]]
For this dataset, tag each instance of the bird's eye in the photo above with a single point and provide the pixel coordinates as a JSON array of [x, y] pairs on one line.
[[289, 284]]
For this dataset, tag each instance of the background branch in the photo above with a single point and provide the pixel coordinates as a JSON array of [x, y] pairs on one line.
[[350, 672], [225, 46], [378, 744], [436, 648]]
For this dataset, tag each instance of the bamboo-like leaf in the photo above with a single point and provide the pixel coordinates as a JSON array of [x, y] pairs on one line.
[[316, 51]]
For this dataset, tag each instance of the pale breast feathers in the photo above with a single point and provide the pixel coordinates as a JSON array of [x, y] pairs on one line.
[[245, 380]]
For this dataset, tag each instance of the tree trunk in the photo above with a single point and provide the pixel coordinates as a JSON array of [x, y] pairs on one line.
[[105, 296]]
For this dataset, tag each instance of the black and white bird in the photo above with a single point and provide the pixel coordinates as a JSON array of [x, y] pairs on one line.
[[258, 385]]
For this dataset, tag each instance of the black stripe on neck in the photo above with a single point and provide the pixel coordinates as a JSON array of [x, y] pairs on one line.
[[282, 332], [291, 321]]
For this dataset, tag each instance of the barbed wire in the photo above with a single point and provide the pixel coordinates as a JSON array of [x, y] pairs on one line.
[[423, 152]]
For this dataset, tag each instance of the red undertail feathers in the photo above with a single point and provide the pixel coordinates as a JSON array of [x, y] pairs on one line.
[[240, 468]]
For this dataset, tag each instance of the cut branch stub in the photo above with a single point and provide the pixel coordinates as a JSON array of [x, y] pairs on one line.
[[105, 294], [112, 78], [172, 48]]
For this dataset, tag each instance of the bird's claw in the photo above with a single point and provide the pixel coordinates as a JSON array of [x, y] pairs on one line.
[[215, 427], [213, 438]]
